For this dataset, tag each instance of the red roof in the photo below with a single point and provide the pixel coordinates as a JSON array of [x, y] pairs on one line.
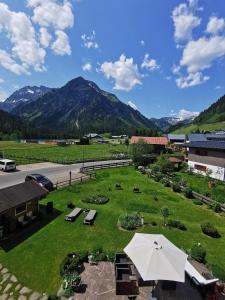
[[150, 140], [175, 160]]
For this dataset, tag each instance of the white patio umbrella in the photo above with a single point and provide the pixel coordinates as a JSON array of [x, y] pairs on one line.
[[156, 258]]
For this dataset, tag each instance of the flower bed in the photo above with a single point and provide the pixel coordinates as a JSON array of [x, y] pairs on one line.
[[131, 221], [96, 199]]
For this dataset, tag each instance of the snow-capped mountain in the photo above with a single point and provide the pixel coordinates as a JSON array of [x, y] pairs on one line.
[[25, 94]]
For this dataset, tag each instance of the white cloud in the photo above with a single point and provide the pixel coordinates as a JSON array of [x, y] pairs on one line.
[[175, 69], [8, 63], [192, 79], [45, 37], [149, 64], [124, 72], [21, 33], [215, 25], [142, 43], [131, 104], [50, 13], [89, 40], [199, 55], [219, 87], [2, 80], [61, 45], [87, 67], [168, 77], [184, 114], [184, 20]]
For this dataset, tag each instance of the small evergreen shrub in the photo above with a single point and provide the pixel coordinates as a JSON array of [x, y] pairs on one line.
[[198, 253], [210, 230], [217, 207], [153, 223], [136, 189], [176, 187], [188, 193], [118, 186], [70, 204], [176, 224]]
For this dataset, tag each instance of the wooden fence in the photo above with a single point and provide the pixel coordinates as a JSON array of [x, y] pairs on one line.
[[91, 169], [70, 181]]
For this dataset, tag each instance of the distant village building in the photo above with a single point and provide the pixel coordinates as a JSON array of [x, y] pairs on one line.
[[177, 139], [207, 156], [159, 143]]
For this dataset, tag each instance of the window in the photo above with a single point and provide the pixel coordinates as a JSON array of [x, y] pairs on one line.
[[201, 152], [200, 168], [20, 209]]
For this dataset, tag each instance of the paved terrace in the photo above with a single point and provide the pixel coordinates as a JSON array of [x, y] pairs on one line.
[[100, 281]]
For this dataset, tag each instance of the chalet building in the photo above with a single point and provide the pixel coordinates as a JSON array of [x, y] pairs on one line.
[[207, 155], [177, 139], [159, 143], [19, 204]]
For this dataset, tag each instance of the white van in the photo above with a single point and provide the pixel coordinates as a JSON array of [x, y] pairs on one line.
[[7, 165]]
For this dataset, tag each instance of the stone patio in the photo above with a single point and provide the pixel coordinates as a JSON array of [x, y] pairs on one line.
[[100, 285], [12, 289]]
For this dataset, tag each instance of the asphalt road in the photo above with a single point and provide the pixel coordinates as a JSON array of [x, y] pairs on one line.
[[56, 173]]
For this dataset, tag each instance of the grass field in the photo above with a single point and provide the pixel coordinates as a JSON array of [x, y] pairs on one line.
[[36, 260], [199, 184], [204, 127], [31, 153]]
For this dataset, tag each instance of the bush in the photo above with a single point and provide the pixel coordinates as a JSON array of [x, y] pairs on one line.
[[198, 253], [118, 186], [98, 199], [176, 224], [188, 193], [155, 198], [217, 207], [153, 223], [136, 190], [70, 204], [197, 202], [130, 221], [210, 230], [70, 264], [176, 188], [111, 256]]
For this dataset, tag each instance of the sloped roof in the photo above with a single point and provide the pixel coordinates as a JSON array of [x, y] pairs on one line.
[[15, 195], [150, 140], [178, 137], [196, 137], [218, 145]]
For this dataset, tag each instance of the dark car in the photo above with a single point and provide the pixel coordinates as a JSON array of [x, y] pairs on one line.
[[42, 180]]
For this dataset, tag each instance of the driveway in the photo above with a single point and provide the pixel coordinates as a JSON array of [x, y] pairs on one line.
[[52, 171]]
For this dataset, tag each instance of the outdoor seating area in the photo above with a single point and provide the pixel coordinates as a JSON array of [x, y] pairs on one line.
[[73, 215], [90, 217]]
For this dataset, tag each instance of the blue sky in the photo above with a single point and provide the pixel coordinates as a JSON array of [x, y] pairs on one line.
[[165, 57]]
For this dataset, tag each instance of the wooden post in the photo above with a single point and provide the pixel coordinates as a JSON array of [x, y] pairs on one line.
[[70, 177]]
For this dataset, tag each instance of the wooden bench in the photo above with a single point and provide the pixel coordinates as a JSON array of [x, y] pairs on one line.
[[73, 215], [89, 219]]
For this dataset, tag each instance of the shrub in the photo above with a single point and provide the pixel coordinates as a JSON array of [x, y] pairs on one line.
[[68, 292], [111, 256], [197, 202], [153, 223], [70, 264], [97, 199], [198, 253], [176, 224], [155, 198], [158, 176], [176, 188], [70, 204], [136, 190], [210, 230], [130, 221], [188, 193], [217, 207], [118, 186], [165, 213]]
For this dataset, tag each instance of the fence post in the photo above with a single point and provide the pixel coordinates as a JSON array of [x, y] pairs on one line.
[[70, 178], [81, 179]]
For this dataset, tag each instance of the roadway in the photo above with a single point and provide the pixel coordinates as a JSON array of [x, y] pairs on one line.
[[54, 173]]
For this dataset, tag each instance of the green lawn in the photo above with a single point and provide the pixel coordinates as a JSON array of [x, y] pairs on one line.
[[203, 127], [31, 153], [200, 184], [36, 260]]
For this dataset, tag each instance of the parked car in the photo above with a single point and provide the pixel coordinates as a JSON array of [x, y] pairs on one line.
[[7, 165], [42, 180]]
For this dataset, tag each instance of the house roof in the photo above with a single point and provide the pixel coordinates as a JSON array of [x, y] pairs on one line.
[[196, 137], [175, 160], [15, 195], [178, 137], [150, 140], [217, 145]]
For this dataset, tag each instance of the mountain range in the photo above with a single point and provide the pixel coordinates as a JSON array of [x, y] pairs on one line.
[[23, 95], [80, 107]]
